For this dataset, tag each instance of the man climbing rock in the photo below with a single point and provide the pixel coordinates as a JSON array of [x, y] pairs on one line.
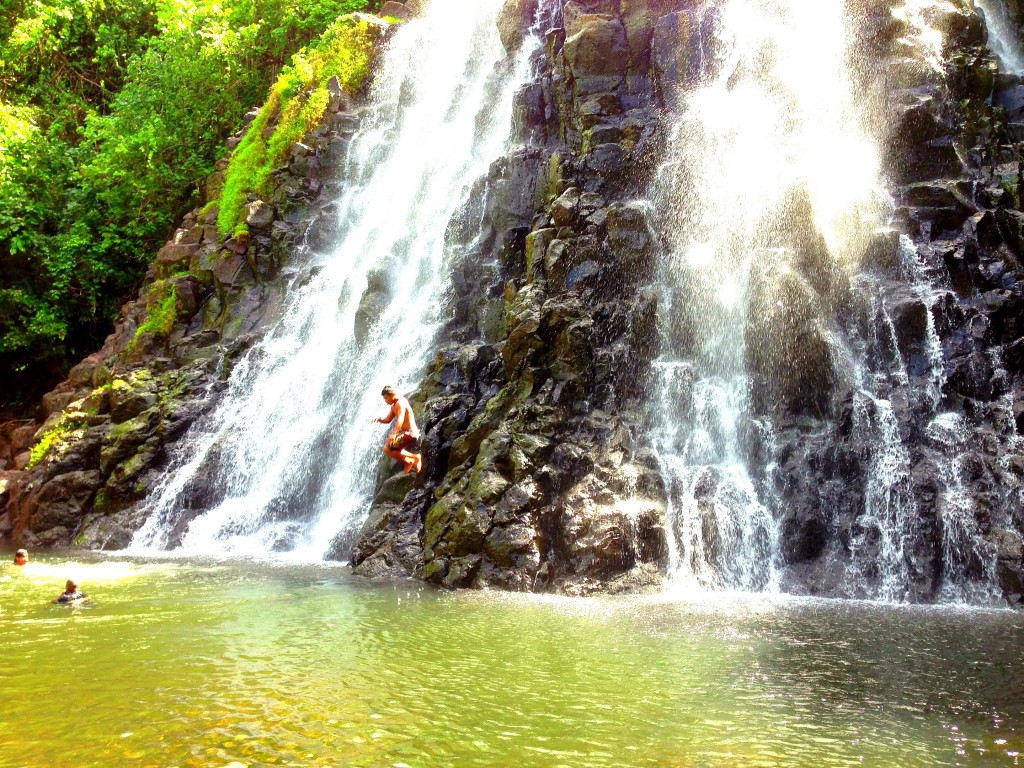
[[404, 434]]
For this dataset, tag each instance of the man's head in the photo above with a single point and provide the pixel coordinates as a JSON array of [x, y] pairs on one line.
[[21, 557], [71, 586], [388, 393]]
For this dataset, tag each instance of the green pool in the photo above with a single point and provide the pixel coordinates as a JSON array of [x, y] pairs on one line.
[[187, 663]]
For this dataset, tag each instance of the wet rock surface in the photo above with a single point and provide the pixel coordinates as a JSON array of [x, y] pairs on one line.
[[949, 373], [534, 479]]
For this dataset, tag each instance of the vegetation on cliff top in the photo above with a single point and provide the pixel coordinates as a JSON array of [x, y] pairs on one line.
[[297, 101], [112, 113]]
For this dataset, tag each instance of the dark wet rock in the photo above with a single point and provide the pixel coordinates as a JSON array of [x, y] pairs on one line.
[[804, 535], [1009, 549], [54, 511], [670, 54]]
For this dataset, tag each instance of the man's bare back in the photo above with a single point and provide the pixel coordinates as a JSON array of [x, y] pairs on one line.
[[404, 433]]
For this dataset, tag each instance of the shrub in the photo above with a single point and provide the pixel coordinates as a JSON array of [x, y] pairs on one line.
[[297, 101]]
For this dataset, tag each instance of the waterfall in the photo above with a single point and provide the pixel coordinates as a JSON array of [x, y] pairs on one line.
[[1002, 39], [772, 321], [290, 455], [768, 190]]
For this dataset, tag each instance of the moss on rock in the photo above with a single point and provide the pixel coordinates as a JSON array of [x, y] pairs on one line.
[[295, 106]]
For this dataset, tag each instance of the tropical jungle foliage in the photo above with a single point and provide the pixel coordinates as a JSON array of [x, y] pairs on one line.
[[112, 112]]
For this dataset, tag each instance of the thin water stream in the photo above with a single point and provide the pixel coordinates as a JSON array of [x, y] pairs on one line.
[[1002, 38], [206, 663]]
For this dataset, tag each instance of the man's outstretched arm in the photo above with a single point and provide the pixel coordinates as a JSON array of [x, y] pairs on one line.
[[387, 419]]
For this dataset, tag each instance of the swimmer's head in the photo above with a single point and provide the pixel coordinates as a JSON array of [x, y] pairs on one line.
[[388, 393], [71, 586], [21, 557]]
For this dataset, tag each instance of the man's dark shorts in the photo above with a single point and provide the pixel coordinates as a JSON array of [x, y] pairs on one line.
[[403, 441]]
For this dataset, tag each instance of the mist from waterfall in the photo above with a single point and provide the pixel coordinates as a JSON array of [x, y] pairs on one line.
[[291, 452]]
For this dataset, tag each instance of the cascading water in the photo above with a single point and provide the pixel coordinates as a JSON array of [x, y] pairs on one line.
[[1001, 37], [766, 165], [291, 454], [771, 197]]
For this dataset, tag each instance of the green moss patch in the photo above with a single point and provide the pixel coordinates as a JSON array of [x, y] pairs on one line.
[[295, 106], [67, 428], [161, 310]]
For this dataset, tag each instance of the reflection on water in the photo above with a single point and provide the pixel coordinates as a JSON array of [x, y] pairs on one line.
[[202, 664]]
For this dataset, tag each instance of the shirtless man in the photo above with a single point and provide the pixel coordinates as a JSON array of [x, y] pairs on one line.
[[404, 434]]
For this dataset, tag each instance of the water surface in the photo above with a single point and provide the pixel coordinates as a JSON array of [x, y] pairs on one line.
[[192, 663]]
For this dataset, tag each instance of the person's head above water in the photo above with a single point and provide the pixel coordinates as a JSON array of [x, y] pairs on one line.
[[21, 557], [388, 393], [71, 586]]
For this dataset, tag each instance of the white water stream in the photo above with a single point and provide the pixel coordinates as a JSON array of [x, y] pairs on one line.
[[778, 120], [1002, 38], [291, 448], [775, 118]]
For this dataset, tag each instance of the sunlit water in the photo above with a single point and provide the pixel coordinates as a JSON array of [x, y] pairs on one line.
[[186, 663]]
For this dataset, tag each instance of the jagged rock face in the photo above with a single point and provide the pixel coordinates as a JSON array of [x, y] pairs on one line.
[[534, 477], [954, 168]]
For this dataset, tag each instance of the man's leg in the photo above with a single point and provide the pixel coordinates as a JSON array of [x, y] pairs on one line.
[[412, 460]]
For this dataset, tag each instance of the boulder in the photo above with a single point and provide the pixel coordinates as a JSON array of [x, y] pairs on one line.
[[395, 10], [514, 22], [174, 257], [629, 236], [259, 215], [804, 535], [787, 346], [124, 439], [128, 400], [57, 508], [1009, 549], [640, 18], [605, 537], [670, 55], [565, 208], [597, 52], [513, 547]]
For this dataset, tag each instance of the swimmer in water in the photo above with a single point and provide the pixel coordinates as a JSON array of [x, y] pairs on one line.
[[71, 594], [21, 557]]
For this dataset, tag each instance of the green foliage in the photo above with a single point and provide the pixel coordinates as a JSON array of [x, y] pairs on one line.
[[57, 437], [161, 310], [296, 103], [112, 113]]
